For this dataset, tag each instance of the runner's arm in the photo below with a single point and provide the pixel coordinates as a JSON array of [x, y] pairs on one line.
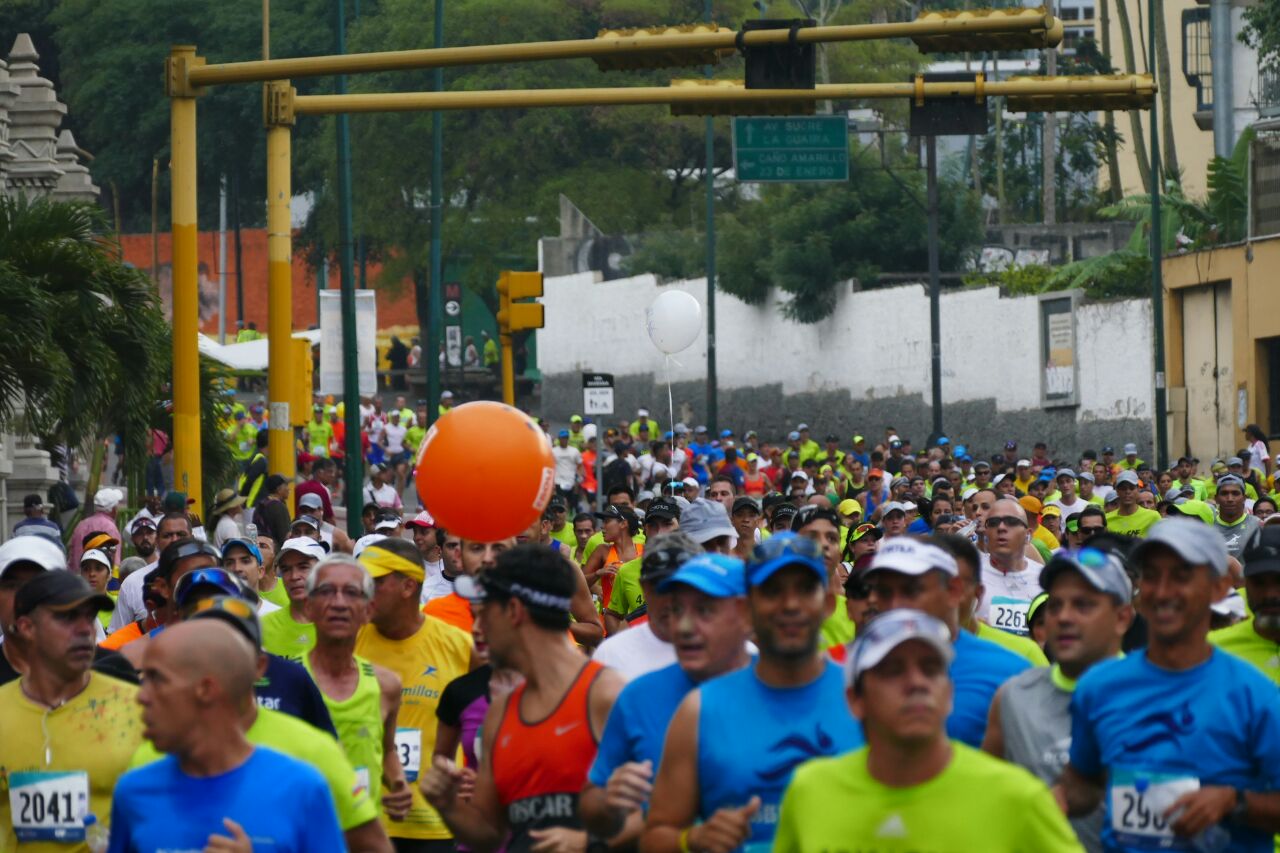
[[479, 822], [1077, 794], [993, 741], [586, 628], [595, 563], [673, 806], [368, 837], [397, 798]]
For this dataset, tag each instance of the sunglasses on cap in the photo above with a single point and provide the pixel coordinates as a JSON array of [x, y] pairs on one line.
[[220, 579], [811, 513], [994, 521], [194, 549], [237, 607], [786, 546], [861, 530]]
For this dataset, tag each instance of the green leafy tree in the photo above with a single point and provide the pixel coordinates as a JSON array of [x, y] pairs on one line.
[[1262, 31]]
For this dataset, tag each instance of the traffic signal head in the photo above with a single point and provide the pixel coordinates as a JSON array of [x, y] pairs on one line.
[[671, 56], [514, 316], [736, 108], [1047, 34], [1088, 93]]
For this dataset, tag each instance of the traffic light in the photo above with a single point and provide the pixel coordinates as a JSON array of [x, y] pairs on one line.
[[960, 41], [1082, 94], [790, 65], [672, 58], [736, 108], [514, 316], [303, 367]]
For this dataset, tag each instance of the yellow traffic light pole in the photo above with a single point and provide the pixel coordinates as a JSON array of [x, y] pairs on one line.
[[281, 458], [515, 317]]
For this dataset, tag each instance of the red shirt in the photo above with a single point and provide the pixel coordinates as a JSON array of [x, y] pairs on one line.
[[314, 487]]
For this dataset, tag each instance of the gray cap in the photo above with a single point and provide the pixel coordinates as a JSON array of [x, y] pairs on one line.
[[705, 520], [1198, 544], [1085, 475], [891, 506], [793, 436], [1127, 477], [1173, 494], [1131, 449], [1231, 480], [1235, 460], [1065, 472], [1101, 570], [890, 630]]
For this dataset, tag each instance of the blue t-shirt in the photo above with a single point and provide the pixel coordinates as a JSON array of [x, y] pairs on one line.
[[287, 687], [752, 737], [1144, 726], [979, 668], [919, 526], [637, 726], [283, 805]]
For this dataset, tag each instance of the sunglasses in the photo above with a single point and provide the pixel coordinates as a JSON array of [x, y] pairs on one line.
[[995, 521], [233, 606], [788, 546]]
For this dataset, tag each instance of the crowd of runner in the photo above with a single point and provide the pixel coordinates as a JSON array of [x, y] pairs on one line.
[[705, 643]]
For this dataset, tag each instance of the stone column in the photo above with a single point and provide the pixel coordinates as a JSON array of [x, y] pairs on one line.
[[33, 124], [75, 184]]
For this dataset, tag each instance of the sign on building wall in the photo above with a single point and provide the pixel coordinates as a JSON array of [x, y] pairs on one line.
[[331, 341], [1059, 364]]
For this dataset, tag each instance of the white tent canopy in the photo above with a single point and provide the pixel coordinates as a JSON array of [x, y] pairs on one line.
[[250, 355]]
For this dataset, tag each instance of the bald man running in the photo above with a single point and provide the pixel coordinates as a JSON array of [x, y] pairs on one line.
[[1009, 579], [198, 684]]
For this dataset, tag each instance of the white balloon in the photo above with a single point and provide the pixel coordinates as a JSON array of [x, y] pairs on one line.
[[673, 321]]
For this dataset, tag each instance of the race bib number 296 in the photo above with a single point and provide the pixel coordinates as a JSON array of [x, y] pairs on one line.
[[1138, 805], [49, 805]]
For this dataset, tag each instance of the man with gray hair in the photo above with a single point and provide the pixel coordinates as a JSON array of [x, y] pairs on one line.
[[363, 698], [1181, 740], [1086, 616]]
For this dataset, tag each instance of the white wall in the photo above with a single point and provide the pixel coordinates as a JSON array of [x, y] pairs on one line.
[[874, 345]]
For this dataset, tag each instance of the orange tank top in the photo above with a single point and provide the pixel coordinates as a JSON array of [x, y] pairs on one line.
[[539, 768]]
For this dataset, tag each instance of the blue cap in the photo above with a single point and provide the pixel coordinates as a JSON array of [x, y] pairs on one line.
[[793, 436], [944, 441], [717, 575], [564, 433], [961, 450], [726, 433], [251, 547], [781, 550], [668, 435]]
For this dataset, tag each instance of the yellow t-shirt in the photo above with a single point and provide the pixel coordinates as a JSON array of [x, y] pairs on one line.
[[283, 637], [1132, 525], [426, 662], [1022, 646], [95, 733]]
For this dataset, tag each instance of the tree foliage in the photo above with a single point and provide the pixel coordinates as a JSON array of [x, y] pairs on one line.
[[1262, 31]]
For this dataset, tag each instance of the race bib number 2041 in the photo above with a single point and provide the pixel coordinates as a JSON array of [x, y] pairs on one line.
[[49, 805]]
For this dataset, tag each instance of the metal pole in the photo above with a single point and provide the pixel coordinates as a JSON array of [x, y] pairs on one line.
[[222, 261], [1220, 42], [280, 455], [186, 300], [354, 473], [935, 287], [435, 288], [508, 371], [1157, 275], [235, 226], [713, 414]]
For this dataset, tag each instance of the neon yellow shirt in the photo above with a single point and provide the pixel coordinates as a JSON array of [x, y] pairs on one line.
[[284, 637], [976, 803], [1022, 646], [1132, 525], [318, 437], [1244, 642], [426, 662], [95, 732], [627, 594], [413, 437], [276, 595], [565, 536], [296, 739], [838, 629]]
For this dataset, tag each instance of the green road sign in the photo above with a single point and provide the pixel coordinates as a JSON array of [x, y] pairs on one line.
[[791, 150]]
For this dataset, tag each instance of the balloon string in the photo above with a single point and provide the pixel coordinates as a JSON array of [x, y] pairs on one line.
[[671, 410]]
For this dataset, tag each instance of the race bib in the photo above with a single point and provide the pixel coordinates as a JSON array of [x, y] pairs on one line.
[[409, 749], [1138, 803], [1009, 614], [49, 805]]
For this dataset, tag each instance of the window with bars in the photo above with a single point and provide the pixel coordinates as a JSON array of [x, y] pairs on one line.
[[1197, 62]]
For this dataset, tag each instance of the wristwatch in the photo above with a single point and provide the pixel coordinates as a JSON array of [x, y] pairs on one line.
[[1240, 809], [596, 845]]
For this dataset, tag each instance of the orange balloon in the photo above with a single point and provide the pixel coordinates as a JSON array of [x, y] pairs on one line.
[[485, 471]]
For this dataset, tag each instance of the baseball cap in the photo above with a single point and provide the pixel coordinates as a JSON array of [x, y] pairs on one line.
[[1031, 504], [422, 519], [1051, 511], [899, 481], [364, 542], [620, 513], [31, 501], [793, 436], [1174, 494], [32, 549], [875, 472], [387, 519], [1024, 463], [690, 482], [218, 579], [310, 501], [943, 441], [235, 611], [1131, 449], [699, 428], [1127, 477], [1198, 544], [849, 506], [785, 512], [663, 560], [1101, 570], [726, 433], [982, 465], [99, 540], [664, 508], [575, 419], [1263, 557], [912, 557], [1230, 480], [564, 433], [745, 502], [1235, 461], [705, 520], [642, 413], [303, 545], [1011, 445], [865, 530], [891, 506], [1085, 475], [251, 547], [1034, 607], [59, 591], [802, 427], [716, 575], [858, 439], [306, 518], [1230, 605], [890, 630], [1108, 449], [1065, 472], [93, 555], [780, 551]]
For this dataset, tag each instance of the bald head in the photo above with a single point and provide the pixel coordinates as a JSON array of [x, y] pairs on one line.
[[1008, 506], [210, 651]]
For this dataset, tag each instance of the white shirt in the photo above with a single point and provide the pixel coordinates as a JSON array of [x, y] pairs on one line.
[[395, 438], [1068, 509], [129, 605], [1007, 595], [226, 530], [567, 461], [384, 496], [635, 652], [265, 607], [435, 584]]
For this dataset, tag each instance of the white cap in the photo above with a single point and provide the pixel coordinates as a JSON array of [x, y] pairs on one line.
[[32, 549], [96, 556], [365, 541], [891, 506], [890, 630], [387, 524], [908, 506], [303, 545], [642, 413], [690, 482], [912, 557], [1231, 605], [589, 431], [1130, 449], [107, 499], [1023, 463]]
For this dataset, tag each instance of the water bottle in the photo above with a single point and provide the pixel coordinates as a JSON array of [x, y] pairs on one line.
[[96, 836], [251, 533]]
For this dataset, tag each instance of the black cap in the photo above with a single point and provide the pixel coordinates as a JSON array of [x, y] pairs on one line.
[[745, 502], [236, 612], [660, 563], [773, 499], [32, 501], [833, 438], [1263, 557], [663, 508], [784, 511], [1108, 449], [58, 591], [620, 513]]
